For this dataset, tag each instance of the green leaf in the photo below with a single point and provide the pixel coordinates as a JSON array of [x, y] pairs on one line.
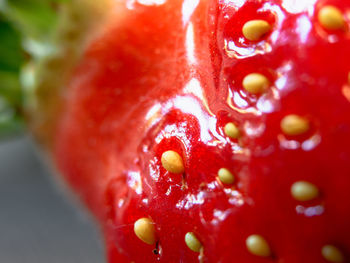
[[33, 18], [12, 57], [11, 53], [27, 30], [10, 88]]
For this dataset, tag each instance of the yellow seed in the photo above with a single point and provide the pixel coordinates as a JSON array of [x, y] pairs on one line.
[[254, 30], [332, 254], [258, 246], [192, 242], [226, 176], [172, 162], [331, 18], [232, 131], [144, 230], [304, 191], [294, 125], [255, 83]]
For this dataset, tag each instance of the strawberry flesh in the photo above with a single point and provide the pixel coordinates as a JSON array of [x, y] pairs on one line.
[[168, 77]]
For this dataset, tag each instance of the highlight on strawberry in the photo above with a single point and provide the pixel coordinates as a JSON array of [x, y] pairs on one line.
[[193, 130]]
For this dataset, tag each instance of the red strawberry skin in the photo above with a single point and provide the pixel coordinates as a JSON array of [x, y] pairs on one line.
[[168, 76]]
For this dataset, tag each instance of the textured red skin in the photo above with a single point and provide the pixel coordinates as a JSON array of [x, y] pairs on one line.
[[109, 141]]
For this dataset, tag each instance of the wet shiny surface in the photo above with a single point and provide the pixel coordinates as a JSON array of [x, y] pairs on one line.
[[172, 83]]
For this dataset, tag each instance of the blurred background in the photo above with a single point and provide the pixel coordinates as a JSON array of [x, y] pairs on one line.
[[38, 224]]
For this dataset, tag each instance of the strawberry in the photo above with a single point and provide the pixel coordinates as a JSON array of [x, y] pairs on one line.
[[210, 131]]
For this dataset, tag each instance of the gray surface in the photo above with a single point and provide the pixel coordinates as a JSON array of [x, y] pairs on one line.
[[37, 223]]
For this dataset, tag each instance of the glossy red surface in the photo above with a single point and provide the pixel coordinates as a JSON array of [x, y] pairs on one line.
[[168, 77]]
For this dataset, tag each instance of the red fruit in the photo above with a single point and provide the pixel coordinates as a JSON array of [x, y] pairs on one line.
[[168, 76]]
